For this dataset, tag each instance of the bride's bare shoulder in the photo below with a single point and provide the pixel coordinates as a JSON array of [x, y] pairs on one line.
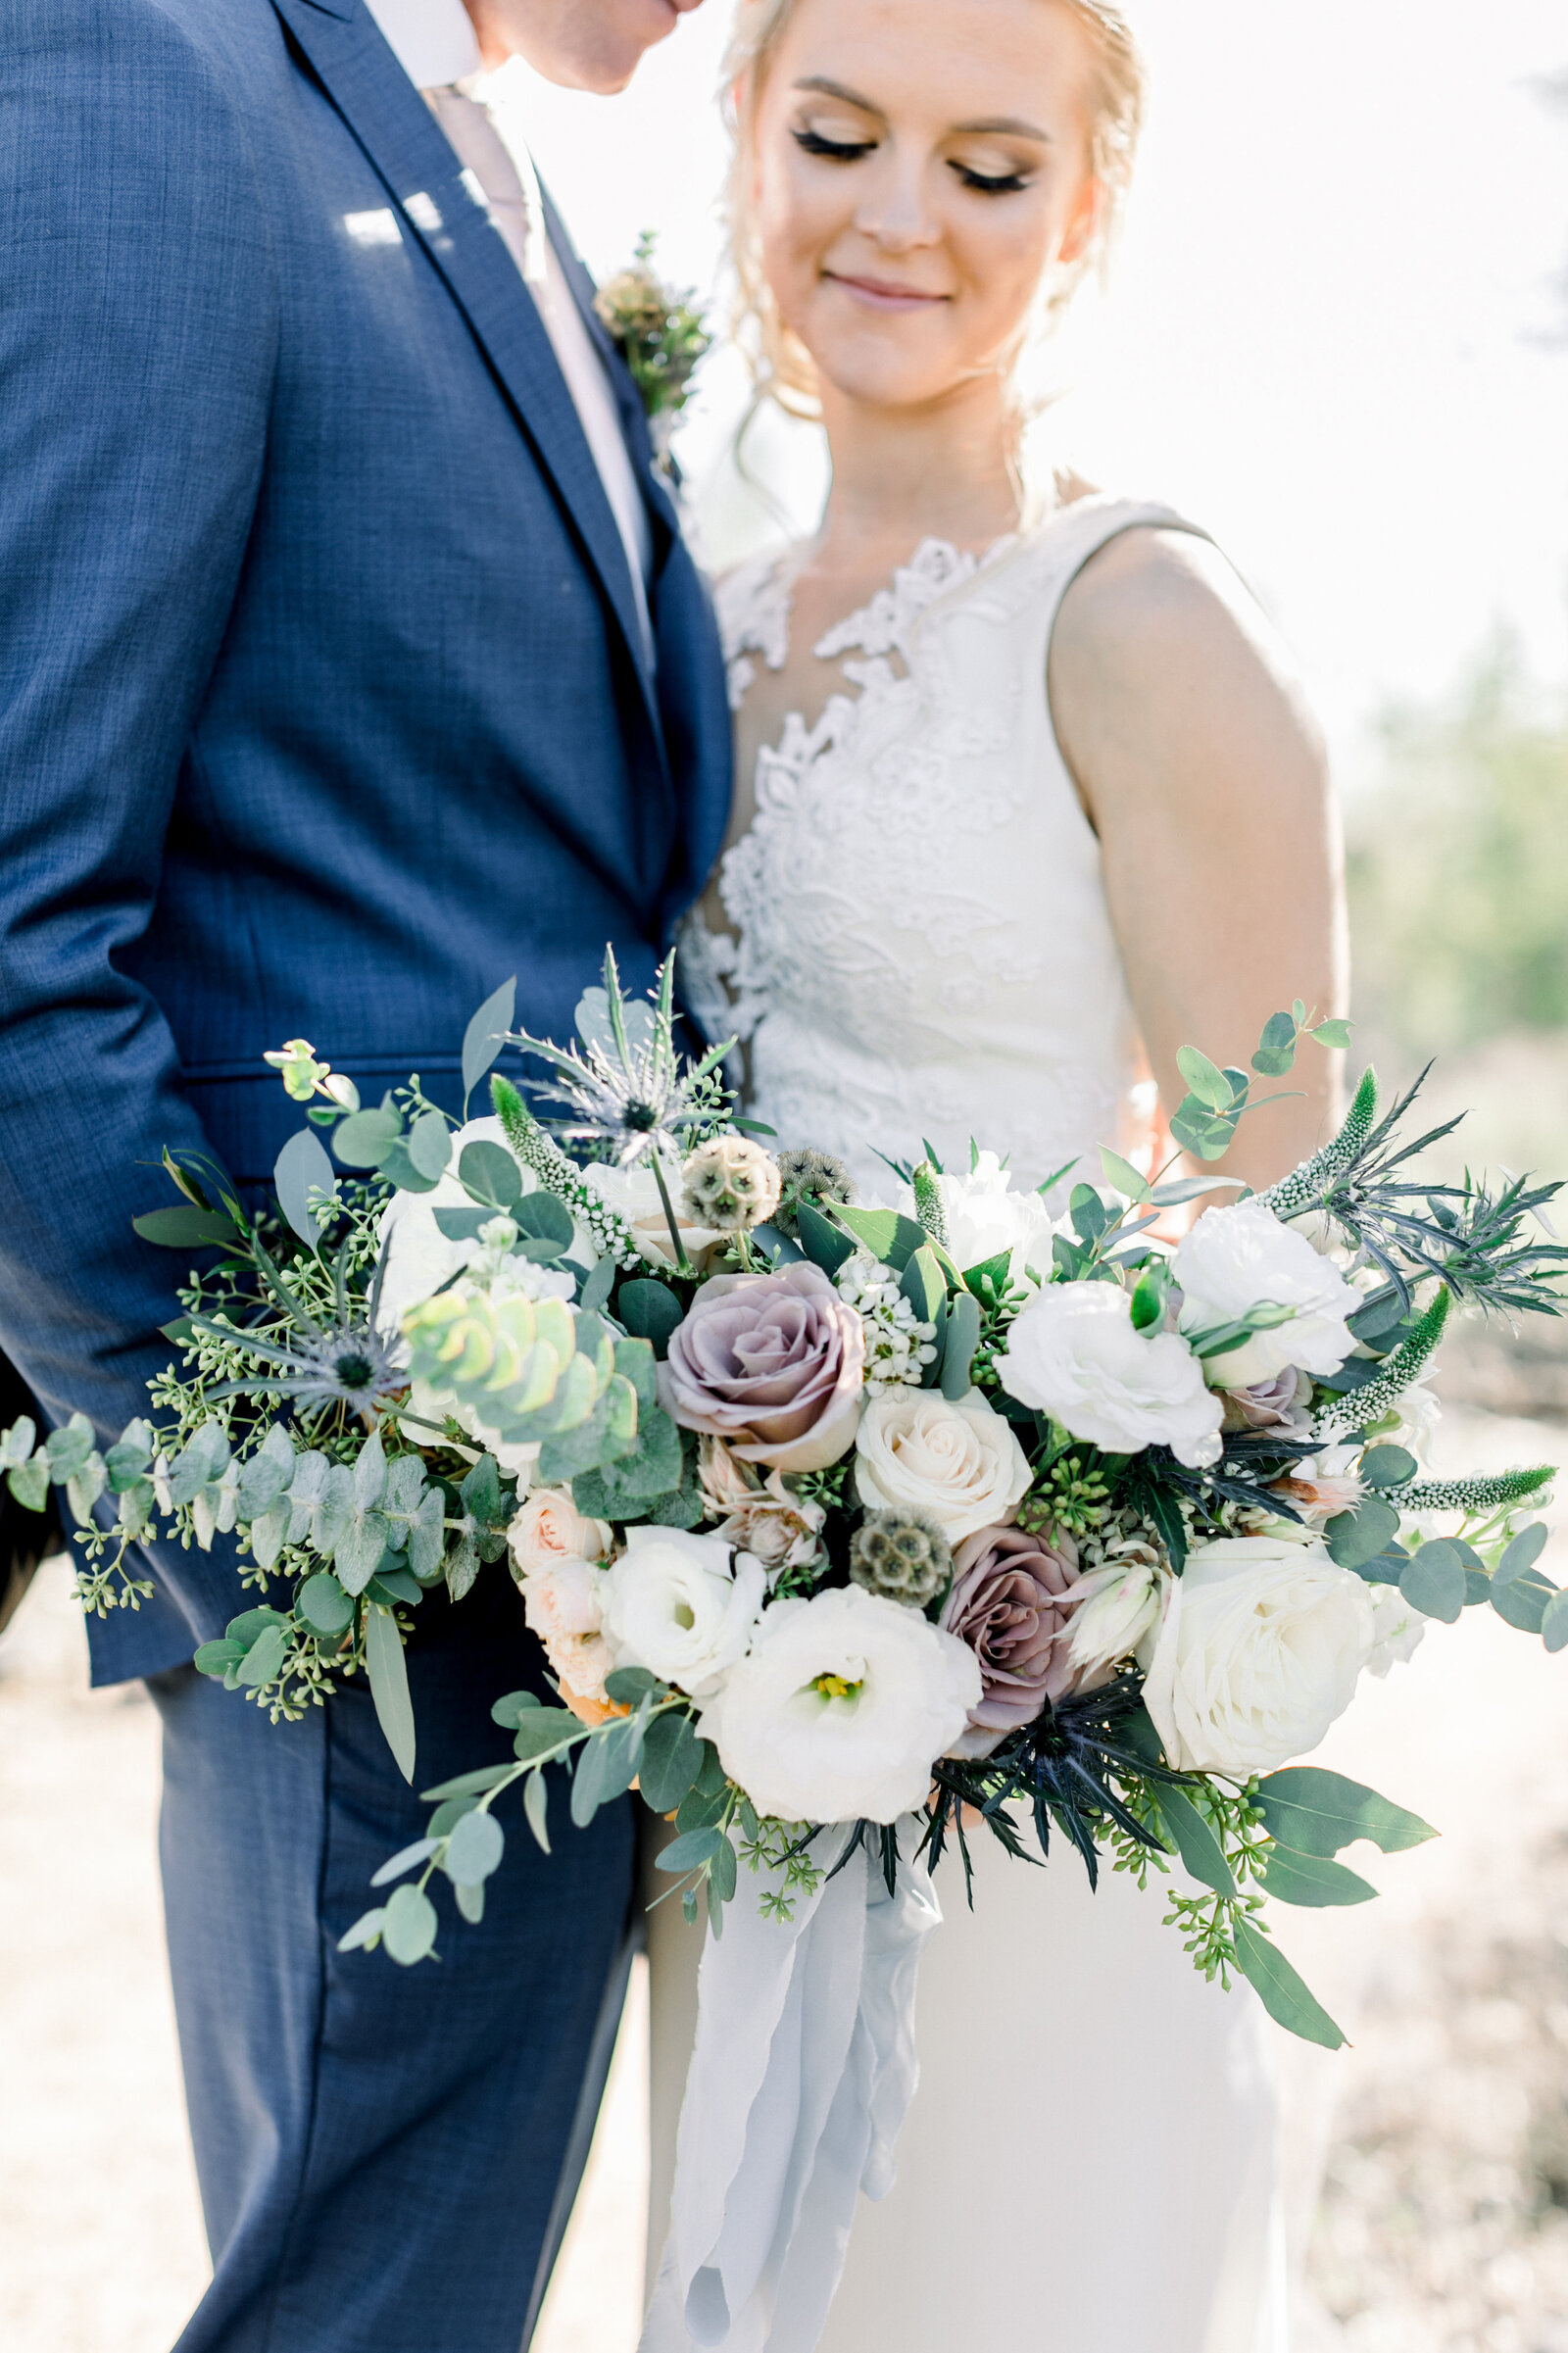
[[1157, 606]]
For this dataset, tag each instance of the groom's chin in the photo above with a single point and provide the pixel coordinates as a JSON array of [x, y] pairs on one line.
[[593, 45]]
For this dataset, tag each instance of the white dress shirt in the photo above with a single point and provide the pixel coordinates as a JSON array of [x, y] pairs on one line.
[[433, 41]]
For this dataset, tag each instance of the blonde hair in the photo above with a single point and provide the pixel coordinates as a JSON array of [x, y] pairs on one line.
[[779, 361]]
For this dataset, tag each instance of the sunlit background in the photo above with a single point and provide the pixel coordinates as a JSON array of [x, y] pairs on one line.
[[1337, 335]]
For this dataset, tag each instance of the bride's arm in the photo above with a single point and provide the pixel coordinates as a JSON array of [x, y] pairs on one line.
[[1203, 774]]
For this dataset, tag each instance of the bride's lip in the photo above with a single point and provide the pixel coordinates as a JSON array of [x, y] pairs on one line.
[[881, 295]]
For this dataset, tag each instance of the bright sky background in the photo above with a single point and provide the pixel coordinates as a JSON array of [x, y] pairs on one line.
[[1330, 337]]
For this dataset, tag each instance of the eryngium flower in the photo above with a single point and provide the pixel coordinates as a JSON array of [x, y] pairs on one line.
[[344, 1364], [731, 1184], [902, 1555], [624, 1085]]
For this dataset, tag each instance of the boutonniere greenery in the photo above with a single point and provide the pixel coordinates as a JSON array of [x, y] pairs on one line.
[[660, 331]]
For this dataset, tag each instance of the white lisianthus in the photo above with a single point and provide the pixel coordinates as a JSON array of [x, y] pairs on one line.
[[958, 1464], [420, 1258], [1074, 1354], [1120, 1605], [550, 1527], [1398, 1630], [840, 1707], [1238, 1260], [1258, 1649], [676, 1606], [564, 1602], [634, 1192], [986, 1217]]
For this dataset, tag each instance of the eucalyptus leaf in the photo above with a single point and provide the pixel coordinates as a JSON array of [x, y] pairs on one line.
[[263, 1657], [544, 1730], [408, 1927], [475, 1850], [1316, 1812], [404, 1860], [1388, 1466], [187, 1229], [491, 1175], [1281, 1991], [690, 1851], [1554, 1623], [889, 1237], [364, 1933], [468, 1784], [1207, 1081], [325, 1606], [1524, 1602], [1354, 1537], [510, 1708], [388, 1672], [301, 1168], [1311, 1880], [1195, 1843], [536, 1807], [366, 1138], [429, 1144], [672, 1758], [1433, 1581], [649, 1310], [486, 1034], [962, 1339], [1521, 1554]]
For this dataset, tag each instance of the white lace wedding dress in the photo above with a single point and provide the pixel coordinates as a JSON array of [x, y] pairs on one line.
[[921, 949]]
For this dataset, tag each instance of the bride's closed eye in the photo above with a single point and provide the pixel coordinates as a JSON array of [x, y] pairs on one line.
[[991, 184], [840, 151]]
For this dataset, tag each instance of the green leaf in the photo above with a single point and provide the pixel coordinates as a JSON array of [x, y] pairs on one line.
[[263, 1657], [1524, 1602], [1276, 1047], [890, 1238], [1151, 1295], [1432, 1581], [404, 1860], [962, 1339], [536, 1807], [672, 1758], [399, 1169], [366, 1138], [1335, 1035], [429, 1144], [605, 1768], [925, 1286], [1522, 1553], [16, 1442], [1311, 1880], [364, 1933], [216, 1658], [1205, 1079], [722, 1875], [28, 1481], [469, 1784], [251, 1622], [1554, 1623], [650, 1310], [1354, 1537], [627, 1685], [387, 1669], [475, 1850], [325, 1606], [1316, 1812], [69, 1449], [822, 1243], [301, 1167], [186, 1229], [1195, 1842], [461, 1225], [471, 1903], [408, 1927], [449, 1813], [491, 1175], [691, 1851], [1281, 1991], [651, 1469], [510, 1708], [1123, 1175], [1196, 1130], [426, 1538], [541, 1217], [485, 1035], [543, 1730], [598, 1286], [390, 1585], [1388, 1466]]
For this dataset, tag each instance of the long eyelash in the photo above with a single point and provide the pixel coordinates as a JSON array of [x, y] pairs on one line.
[[1007, 184], [843, 152]]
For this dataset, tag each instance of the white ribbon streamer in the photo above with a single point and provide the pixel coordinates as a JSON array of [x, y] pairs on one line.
[[803, 2067]]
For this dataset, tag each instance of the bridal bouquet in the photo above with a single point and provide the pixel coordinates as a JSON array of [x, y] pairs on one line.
[[847, 1527]]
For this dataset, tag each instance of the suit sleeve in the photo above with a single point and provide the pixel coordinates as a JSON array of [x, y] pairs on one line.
[[137, 344]]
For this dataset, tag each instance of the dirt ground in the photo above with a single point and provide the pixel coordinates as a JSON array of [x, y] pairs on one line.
[[1428, 2166]]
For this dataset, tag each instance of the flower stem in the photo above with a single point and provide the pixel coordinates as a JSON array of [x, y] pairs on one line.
[[683, 1265]]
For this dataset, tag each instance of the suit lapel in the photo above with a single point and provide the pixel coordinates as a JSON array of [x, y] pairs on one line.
[[401, 138]]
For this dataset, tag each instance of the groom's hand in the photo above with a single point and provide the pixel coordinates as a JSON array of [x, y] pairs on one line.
[[581, 44]]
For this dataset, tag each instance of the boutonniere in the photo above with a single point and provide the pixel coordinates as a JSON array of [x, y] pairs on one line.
[[661, 334]]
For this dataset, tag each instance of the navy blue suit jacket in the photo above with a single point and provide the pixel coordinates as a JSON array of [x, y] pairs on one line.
[[321, 701]]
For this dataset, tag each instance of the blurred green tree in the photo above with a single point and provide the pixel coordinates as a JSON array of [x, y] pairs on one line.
[[1458, 868]]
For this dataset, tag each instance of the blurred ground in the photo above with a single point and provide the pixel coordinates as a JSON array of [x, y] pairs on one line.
[[1443, 2223]]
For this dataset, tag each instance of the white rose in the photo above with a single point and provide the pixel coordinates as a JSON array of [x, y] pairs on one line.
[[675, 1606], [634, 1192], [1073, 1353], [562, 1600], [550, 1527], [840, 1707], [1237, 1260], [1397, 1629], [1258, 1651], [986, 1217], [960, 1464], [1120, 1606]]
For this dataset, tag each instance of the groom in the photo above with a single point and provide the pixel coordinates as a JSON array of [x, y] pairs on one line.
[[350, 661]]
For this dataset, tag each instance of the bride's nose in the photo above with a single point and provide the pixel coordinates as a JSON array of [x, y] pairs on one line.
[[894, 212]]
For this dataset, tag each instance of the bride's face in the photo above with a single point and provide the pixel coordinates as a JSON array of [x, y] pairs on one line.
[[919, 165]]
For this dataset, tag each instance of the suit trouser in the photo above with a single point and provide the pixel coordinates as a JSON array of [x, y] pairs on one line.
[[387, 2156]]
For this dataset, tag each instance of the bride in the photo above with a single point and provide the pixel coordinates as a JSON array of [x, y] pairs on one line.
[[1027, 795]]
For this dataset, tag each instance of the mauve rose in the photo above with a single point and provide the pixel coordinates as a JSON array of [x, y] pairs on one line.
[[1273, 1405], [1007, 1587], [773, 1363]]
